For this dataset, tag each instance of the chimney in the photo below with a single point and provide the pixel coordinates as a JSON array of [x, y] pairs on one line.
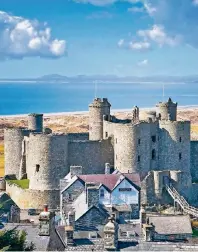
[[45, 208], [71, 219], [107, 168], [92, 194], [69, 235], [75, 170], [46, 220], [111, 234]]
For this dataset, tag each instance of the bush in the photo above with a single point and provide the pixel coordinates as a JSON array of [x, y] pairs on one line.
[[14, 240]]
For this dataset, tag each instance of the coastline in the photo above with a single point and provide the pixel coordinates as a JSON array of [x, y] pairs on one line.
[[70, 113]]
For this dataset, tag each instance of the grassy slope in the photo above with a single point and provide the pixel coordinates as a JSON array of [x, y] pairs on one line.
[[23, 183]]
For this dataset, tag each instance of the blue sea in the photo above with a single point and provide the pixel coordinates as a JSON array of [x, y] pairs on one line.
[[23, 98]]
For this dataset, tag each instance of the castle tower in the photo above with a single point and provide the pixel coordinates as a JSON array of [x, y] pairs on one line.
[[35, 122], [97, 109], [46, 160], [13, 140], [167, 110]]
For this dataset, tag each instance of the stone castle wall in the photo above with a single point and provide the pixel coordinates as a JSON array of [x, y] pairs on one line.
[[174, 146], [47, 160], [97, 110], [91, 155], [194, 160], [35, 122], [27, 198], [133, 145], [13, 138]]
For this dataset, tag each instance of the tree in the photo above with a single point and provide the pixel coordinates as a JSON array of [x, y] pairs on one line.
[[14, 240]]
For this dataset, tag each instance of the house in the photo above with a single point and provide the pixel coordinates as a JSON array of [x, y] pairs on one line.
[[169, 228], [109, 193]]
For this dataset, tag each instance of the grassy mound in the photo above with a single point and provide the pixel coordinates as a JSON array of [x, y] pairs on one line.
[[23, 183]]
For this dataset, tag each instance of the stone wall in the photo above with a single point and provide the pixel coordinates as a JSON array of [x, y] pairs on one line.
[[194, 160], [174, 146], [133, 145], [97, 110], [26, 198], [13, 138], [35, 122], [77, 136], [91, 155], [46, 160]]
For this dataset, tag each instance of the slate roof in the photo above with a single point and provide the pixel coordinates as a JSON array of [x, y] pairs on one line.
[[111, 180], [177, 224], [41, 242]]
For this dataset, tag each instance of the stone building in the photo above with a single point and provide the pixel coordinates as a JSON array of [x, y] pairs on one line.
[[150, 147]]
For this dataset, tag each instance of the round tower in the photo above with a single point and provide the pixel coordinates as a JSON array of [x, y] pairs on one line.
[[35, 122], [13, 138], [167, 110], [97, 110], [46, 160], [174, 145]]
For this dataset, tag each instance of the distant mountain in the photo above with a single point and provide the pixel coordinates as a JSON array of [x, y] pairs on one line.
[[108, 78]]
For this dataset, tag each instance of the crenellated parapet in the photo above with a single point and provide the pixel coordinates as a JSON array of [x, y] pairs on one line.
[[167, 110]]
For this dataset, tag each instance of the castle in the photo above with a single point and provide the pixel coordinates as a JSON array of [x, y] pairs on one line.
[[158, 148]]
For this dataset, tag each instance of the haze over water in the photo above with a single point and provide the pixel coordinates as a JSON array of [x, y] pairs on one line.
[[23, 98]]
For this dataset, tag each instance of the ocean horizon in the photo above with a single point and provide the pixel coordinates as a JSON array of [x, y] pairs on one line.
[[20, 98]]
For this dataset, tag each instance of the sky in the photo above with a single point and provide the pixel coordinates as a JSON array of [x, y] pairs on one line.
[[116, 37]]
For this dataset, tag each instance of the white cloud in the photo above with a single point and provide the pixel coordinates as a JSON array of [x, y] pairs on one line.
[[195, 2], [121, 42], [158, 35], [140, 46], [20, 37], [143, 63], [149, 8], [135, 46]]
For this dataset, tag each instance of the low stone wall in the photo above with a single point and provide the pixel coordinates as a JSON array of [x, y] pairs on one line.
[[26, 198]]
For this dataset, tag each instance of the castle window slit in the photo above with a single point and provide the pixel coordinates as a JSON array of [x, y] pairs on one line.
[[37, 167]]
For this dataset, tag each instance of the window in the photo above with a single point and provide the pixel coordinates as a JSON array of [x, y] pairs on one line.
[[180, 139], [116, 157], [125, 189], [116, 140], [101, 193], [139, 141], [153, 139], [106, 134], [153, 154], [138, 158], [180, 156], [37, 167]]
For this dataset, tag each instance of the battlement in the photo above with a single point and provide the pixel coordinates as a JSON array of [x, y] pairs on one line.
[[169, 103], [98, 102]]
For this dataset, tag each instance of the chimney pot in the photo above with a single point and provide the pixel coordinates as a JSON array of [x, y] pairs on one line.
[[45, 208]]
